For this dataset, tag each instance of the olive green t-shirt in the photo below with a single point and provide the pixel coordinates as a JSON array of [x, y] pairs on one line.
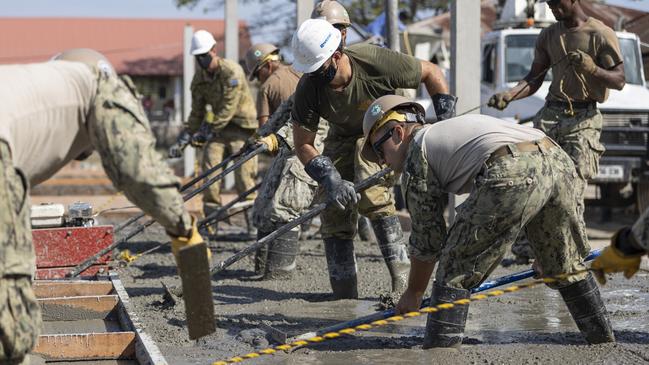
[[594, 38], [277, 89], [376, 72]]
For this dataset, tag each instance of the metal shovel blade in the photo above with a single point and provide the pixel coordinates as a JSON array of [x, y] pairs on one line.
[[194, 270]]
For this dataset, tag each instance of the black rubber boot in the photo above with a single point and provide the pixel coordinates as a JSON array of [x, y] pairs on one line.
[[392, 244], [364, 231], [587, 309], [261, 255], [341, 263], [445, 328], [280, 262]]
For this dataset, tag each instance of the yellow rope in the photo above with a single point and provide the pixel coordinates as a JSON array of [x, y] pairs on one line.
[[393, 319]]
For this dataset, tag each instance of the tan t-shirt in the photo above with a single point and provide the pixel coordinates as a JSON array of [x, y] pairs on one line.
[[276, 89], [457, 148], [44, 112], [594, 38]]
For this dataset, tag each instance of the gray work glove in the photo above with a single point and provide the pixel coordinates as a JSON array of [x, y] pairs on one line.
[[340, 192], [203, 135], [176, 150], [444, 105]]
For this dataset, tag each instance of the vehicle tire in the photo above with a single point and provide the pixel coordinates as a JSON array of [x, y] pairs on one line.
[[642, 196]]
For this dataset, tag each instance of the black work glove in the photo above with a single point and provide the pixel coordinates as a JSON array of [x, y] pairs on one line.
[[176, 150], [340, 192], [444, 105], [203, 135]]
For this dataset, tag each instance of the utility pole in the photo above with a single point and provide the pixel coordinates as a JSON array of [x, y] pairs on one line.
[[465, 63], [231, 31], [392, 24], [304, 9], [189, 156]]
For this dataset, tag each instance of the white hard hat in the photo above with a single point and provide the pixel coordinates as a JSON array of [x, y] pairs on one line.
[[88, 56], [202, 42], [313, 43]]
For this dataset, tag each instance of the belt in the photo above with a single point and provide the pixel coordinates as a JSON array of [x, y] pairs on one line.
[[528, 146], [575, 104]]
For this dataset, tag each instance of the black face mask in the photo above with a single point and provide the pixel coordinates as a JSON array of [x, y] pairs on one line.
[[323, 76], [204, 60]]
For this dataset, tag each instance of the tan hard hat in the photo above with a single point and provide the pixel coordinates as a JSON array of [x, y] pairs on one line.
[[259, 54], [89, 57], [379, 113], [331, 11]]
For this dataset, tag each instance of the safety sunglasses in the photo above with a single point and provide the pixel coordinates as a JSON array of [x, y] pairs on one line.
[[553, 2], [377, 146]]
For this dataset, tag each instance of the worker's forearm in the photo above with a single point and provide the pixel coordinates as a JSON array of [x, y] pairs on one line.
[[262, 120], [612, 79], [522, 90], [306, 153], [433, 78], [420, 273]]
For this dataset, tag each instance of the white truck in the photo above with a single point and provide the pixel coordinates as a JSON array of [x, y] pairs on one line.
[[507, 56]]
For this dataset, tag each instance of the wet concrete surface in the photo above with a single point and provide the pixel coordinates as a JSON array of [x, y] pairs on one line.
[[525, 327]]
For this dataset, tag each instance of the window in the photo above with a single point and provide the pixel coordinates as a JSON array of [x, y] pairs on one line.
[[489, 63]]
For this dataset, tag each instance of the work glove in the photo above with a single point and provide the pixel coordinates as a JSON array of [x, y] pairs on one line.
[[500, 100], [176, 150], [194, 238], [271, 141], [582, 62], [444, 105], [615, 259], [203, 135], [340, 193]]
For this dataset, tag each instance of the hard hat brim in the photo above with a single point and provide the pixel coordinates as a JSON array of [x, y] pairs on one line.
[[308, 68], [201, 50]]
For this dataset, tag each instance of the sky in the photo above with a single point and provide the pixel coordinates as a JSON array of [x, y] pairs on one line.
[[121, 9]]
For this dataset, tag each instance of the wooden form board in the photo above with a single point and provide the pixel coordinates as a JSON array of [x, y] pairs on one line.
[[110, 345], [56, 289]]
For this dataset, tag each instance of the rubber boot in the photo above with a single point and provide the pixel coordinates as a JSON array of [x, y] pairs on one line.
[[445, 328], [587, 309], [341, 263], [261, 255], [280, 262], [252, 230], [392, 244], [364, 231]]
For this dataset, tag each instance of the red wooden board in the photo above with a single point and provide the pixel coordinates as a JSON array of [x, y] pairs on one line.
[[59, 248]]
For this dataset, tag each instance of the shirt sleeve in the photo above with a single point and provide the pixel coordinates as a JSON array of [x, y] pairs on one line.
[[425, 202], [609, 54], [232, 91], [400, 70], [305, 113], [263, 106], [197, 114]]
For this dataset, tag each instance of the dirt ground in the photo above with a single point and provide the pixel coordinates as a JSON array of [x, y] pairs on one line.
[[526, 327]]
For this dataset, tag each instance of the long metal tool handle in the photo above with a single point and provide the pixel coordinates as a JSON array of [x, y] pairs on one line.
[[426, 302], [216, 215], [370, 181], [91, 260], [188, 185]]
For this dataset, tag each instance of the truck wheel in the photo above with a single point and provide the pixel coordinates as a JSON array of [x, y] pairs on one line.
[[642, 195]]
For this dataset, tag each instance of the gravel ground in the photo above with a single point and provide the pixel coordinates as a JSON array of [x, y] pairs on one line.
[[527, 327]]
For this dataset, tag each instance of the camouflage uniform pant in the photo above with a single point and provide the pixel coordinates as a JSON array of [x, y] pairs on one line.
[[532, 191], [228, 140], [287, 190], [578, 135], [20, 315], [376, 202]]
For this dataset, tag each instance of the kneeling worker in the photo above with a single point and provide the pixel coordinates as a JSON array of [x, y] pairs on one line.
[[517, 177]]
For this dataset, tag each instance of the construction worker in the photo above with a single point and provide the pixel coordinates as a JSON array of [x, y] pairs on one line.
[[81, 105], [222, 103], [330, 90], [625, 252], [335, 13], [516, 176], [584, 55], [287, 191]]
